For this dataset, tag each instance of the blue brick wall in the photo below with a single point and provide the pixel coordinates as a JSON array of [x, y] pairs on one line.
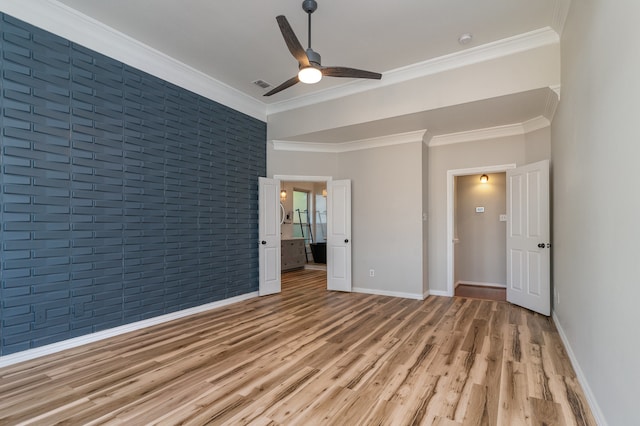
[[123, 196]]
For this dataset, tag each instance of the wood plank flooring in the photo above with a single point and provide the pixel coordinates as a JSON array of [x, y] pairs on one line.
[[309, 357], [481, 292]]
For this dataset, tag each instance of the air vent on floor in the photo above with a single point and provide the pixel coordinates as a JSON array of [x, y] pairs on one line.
[[262, 84]]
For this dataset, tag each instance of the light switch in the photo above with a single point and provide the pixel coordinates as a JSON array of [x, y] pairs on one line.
[[503, 218], [479, 209]]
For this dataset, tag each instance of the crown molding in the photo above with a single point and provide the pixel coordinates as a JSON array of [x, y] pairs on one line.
[[491, 132], [66, 22], [556, 89], [390, 140], [497, 49], [560, 12], [553, 99], [534, 124]]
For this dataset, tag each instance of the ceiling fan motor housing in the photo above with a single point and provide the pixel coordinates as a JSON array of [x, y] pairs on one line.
[[309, 6], [314, 57]]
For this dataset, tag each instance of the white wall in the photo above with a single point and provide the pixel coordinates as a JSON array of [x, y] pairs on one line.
[[515, 73], [387, 217], [485, 153], [481, 252], [596, 203], [537, 146], [387, 205], [300, 163], [392, 187]]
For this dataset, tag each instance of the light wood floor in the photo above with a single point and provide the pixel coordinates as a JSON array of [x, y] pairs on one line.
[[481, 292], [308, 357]]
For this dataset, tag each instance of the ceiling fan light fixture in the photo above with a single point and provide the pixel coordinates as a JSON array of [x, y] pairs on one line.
[[309, 75]]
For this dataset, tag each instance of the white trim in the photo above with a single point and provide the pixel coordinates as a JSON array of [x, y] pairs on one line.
[[69, 23], [298, 178], [491, 132], [338, 147], [116, 331], [534, 124], [66, 22], [553, 98], [441, 293], [480, 284], [560, 12], [388, 293], [582, 379], [497, 49], [556, 88], [451, 174]]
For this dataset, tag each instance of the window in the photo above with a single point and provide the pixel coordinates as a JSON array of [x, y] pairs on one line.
[[321, 218], [301, 214]]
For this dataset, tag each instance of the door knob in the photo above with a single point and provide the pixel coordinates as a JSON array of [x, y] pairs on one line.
[[263, 242], [541, 245], [346, 240]]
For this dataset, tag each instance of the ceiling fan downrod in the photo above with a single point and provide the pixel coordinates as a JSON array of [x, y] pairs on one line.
[[309, 6]]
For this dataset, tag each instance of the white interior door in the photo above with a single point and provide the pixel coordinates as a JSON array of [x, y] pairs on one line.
[[339, 235], [528, 237], [269, 236]]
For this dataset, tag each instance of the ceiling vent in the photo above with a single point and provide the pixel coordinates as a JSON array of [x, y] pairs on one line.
[[261, 83]]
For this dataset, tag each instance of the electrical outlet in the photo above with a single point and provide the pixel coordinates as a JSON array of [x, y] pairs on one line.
[[372, 272]]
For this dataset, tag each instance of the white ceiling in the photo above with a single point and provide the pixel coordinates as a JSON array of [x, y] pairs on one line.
[[217, 48], [238, 42]]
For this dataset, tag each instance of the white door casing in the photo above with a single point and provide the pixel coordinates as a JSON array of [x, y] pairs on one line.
[[528, 237], [339, 235], [269, 236], [451, 175]]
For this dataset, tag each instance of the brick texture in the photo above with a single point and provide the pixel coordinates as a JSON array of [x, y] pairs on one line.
[[123, 196]]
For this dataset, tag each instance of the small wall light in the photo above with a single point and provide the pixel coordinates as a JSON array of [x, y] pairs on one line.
[[283, 195], [484, 179], [324, 192]]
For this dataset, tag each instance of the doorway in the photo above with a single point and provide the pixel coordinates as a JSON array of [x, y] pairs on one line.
[[304, 226], [452, 236], [338, 246], [480, 252], [304, 221]]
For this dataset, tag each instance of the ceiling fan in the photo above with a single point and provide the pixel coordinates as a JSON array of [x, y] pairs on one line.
[[310, 68]]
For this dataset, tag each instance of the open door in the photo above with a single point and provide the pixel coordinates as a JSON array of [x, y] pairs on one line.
[[339, 235], [269, 236], [528, 237]]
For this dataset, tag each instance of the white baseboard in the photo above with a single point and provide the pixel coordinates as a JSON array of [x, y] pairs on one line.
[[443, 293], [388, 293], [105, 334], [480, 284], [591, 399]]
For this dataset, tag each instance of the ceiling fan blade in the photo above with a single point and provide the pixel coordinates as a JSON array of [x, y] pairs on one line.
[[349, 72], [292, 41], [285, 85]]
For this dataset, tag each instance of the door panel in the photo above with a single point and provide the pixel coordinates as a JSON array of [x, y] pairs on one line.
[[339, 235], [528, 237], [269, 236]]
